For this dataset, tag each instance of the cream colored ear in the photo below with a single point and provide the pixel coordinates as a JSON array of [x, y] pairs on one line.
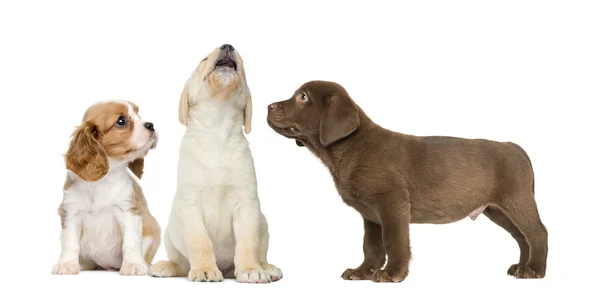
[[183, 106], [248, 114]]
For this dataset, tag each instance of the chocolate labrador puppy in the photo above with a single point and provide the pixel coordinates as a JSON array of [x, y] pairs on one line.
[[394, 179]]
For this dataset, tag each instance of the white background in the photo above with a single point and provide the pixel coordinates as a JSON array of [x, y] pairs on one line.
[[521, 71]]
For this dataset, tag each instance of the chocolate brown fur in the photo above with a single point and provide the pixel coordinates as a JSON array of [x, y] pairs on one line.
[[394, 179]]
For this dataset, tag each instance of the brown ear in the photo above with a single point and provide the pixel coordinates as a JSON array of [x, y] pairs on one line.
[[137, 167], [339, 119], [183, 106], [85, 156], [248, 114]]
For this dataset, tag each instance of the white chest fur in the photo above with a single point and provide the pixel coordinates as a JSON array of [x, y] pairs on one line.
[[99, 207]]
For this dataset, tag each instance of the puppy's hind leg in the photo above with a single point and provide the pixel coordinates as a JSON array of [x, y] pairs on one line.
[[521, 209], [274, 272], [176, 266], [150, 238], [497, 216]]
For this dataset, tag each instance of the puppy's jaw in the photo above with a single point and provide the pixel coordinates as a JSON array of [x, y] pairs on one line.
[[287, 131], [222, 74]]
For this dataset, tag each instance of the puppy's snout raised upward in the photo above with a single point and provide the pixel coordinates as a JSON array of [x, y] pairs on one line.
[[273, 106], [227, 47], [149, 126]]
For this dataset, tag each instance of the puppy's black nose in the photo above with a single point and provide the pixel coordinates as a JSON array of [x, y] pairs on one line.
[[273, 106], [227, 47], [149, 126]]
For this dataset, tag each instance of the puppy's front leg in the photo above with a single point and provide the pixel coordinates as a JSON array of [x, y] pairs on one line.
[[373, 251], [68, 263], [203, 263], [133, 260], [246, 227], [394, 213]]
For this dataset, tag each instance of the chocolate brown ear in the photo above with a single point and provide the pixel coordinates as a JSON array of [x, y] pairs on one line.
[[137, 167], [85, 156], [339, 119]]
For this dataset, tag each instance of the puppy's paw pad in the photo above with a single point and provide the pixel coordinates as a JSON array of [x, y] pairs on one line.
[[389, 275], [205, 275], [163, 269], [66, 268], [133, 270], [525, 272], [274, 272], [358, 274], [253, 276]]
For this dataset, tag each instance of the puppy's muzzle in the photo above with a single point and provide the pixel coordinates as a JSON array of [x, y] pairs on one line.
[[272, 107], [225, 58], [274, 112]]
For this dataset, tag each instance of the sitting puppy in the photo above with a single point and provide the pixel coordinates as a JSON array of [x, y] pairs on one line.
[[216, 227], [105, 219], [393, 179]]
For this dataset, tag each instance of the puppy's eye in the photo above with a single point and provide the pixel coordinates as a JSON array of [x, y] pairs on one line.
[[121, 122], [303, 97]]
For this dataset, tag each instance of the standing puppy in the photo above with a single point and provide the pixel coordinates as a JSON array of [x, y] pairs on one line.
[[393, 179], [216, 227], [104, 215]]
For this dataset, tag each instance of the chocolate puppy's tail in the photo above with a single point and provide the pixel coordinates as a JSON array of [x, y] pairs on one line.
[[530, 164]]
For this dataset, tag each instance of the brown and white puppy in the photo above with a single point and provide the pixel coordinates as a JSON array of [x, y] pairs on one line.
[[105, 219], [393, 179]]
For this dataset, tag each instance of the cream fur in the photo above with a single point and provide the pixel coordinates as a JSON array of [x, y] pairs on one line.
[[216, 228]]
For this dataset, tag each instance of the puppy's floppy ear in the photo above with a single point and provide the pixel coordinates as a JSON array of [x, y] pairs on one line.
[[183, 106], [339, 119], [137, 167], [85, 156], [248, 114]]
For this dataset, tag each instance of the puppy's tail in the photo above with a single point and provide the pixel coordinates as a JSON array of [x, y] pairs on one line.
[[530, 165]]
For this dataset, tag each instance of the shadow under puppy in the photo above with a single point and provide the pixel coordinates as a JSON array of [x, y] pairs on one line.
[[216, 228], [106, 223], [394, 179]]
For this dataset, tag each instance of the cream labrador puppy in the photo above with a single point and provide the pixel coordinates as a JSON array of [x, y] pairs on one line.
[[216, 228]]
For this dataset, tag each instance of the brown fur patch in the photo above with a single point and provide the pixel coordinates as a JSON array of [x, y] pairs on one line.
[[63, 214], [98, 138], [137, 167], [150, 227], [85, 156]]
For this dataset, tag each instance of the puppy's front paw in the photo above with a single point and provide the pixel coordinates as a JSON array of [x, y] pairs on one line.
[[66, 268], [163, 269], [525, 272], [253, 276], [358, 274], [389, 275], [205, 275], [274, 272], [133, 270]]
